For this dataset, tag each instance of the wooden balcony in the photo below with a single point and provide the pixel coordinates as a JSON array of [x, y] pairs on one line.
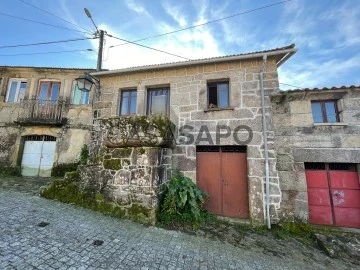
[[41, 112]]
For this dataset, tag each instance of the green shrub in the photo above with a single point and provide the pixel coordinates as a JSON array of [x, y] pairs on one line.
[[183, 201], [84, 155]]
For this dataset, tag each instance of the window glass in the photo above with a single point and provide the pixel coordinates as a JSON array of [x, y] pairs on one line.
[[76, 95], [317, 112], [44, 91], [12, 91], [158, 104], [330, 112], [22, 91], [128, 102], [223, 92], [79, 97], [124, 106], [158, 101], [55, 92], [85, 97], [133, 103]]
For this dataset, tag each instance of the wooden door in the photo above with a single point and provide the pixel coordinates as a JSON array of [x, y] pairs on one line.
[[222, 172]]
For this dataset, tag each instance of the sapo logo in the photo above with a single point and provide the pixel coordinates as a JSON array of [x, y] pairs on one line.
[[188, 137]]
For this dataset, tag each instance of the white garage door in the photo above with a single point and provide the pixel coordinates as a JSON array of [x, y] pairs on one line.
[[38, 156]]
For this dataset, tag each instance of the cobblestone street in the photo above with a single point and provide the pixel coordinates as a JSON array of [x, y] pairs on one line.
[[67, 242]]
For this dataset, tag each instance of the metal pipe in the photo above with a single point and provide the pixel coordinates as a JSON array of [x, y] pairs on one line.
[[266, 149]]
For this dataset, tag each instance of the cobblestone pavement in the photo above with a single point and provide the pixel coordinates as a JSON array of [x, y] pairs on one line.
[[67, 242]]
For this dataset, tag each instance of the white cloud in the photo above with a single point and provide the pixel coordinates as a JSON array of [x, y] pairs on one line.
[[175, 12], [195, 44], [136, 7], [314, 73]]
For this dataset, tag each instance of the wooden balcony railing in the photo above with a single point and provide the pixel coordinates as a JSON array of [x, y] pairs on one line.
[[41, 112]]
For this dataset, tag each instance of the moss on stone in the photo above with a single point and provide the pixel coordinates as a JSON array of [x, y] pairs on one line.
[[72, 176], [6, 170], [137, 209], [61, 169], [122, 152], [99, 197], [68, 192], [112, 164], [107, 157], [126, 161], [140, 150]]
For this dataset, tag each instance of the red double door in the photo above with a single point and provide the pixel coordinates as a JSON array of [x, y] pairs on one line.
[[222, 172], [333, 194]]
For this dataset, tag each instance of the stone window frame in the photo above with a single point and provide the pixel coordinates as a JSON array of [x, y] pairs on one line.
[[16, 98], [323, 110], [217, 81], [121, 91], [148, 98]]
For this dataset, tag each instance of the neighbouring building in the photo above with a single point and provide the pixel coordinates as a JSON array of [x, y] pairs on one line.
[[44, 119], [317, 140]]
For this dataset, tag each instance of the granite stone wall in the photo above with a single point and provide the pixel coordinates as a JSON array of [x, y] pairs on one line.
[[124, 172], [188, 106], [299, 140]]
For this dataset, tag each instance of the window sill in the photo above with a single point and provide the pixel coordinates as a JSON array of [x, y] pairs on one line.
[[330, 124], [219, 109]]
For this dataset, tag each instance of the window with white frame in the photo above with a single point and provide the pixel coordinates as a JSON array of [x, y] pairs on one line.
[[16, 90], [79, 97]]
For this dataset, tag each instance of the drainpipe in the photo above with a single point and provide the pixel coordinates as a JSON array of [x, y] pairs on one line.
[[266, 150]]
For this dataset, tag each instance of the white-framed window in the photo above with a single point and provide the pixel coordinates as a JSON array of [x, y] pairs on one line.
[[16, 90], [79, 97]]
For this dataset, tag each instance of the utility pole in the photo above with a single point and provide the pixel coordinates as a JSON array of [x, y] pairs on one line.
[[100, 34], [100, 51]]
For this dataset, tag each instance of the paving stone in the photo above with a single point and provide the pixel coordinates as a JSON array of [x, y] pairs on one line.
[[67, 242]]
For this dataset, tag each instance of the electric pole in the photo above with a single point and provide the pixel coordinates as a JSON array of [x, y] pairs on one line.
[[100, 34], [100, 51]]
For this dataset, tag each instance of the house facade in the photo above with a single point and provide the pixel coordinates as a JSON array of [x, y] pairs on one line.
[[216, 107], [317, 138], [44, 119], [262, 154]]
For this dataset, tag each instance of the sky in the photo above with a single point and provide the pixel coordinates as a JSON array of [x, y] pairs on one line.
[[326, 32]]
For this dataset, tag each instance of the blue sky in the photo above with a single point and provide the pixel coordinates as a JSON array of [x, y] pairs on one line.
[[326, 32]]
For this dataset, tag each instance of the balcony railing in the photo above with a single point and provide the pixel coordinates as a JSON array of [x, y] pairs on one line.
[[41, 112]]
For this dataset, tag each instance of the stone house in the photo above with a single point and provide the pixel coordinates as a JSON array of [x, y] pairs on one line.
[[44, 119], [214, 106], [317, 138]]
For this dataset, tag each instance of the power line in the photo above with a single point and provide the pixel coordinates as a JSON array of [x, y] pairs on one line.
[[43, 10], [292, 85], [148, 47], [46, 52], [44, 43], [202, 24], [28, 20]]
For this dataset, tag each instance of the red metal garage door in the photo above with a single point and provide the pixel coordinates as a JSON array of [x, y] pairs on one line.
[[333, 194], [222, 172]]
